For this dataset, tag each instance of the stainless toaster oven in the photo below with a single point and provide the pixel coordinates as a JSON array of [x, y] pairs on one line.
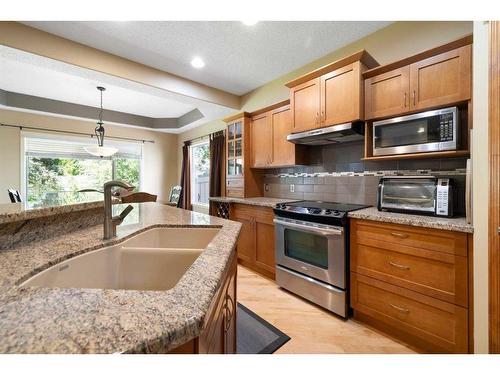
[[427, 195]]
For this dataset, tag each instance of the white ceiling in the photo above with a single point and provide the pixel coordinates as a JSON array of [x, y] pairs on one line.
[[238, 58], [35, 75]]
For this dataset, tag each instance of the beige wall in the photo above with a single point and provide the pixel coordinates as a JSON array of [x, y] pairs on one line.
[[480, 185], [398, 40], [160, 159]]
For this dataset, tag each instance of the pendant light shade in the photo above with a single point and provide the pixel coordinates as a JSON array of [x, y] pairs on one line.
[[100, 150]]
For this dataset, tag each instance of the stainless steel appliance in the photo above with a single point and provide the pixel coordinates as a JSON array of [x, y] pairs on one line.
[[422, 132], [416, 194], [312, 251], [348, 132]]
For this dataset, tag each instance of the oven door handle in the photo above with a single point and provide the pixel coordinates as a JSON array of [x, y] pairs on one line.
[[324, 232]]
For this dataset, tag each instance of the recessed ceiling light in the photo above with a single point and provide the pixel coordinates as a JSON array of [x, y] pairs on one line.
[[249, 22], [197, 62]]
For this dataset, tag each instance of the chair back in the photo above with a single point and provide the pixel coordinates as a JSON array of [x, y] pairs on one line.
[[14, 195], [175, 194], [138, 197]]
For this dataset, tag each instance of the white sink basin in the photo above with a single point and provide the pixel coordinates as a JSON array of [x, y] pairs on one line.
[[153, 260]]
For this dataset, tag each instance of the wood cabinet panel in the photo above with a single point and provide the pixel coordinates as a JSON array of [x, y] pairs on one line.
[[305, 104], [441, 325], [387, 94], [365, 231], [341, 96], [256, 241], [284, 152], [442, 79], [438, 275], [261, 140]]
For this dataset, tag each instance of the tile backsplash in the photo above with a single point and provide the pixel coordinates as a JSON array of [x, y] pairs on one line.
[[337, 173]]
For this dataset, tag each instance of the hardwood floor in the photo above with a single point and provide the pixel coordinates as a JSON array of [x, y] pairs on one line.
[[312, 329]]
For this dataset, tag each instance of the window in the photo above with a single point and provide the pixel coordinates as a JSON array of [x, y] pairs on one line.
[[200, 173], [56, 167]]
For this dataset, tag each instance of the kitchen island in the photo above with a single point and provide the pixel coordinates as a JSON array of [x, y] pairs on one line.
[[78, 320]]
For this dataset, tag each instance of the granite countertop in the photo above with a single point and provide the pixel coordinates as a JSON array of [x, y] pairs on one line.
[[70, 320], [458, 224], [257, 201], [10, 212]]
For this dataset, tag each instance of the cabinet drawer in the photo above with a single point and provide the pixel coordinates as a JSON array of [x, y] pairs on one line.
[[366, 231], [234, 192], [431, 324], [237, 182], [439, 275]]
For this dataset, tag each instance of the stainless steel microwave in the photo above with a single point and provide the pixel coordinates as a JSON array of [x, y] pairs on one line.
[[421, 132], [426, 195]]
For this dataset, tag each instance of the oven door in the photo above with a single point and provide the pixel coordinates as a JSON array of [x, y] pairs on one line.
[[312, 249]]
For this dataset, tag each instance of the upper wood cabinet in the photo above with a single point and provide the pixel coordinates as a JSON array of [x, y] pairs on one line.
[[241, 181], [435, 78], [387, 94], [442, 79], [261, 140], [269, 147], [331, 94], [305, 101]]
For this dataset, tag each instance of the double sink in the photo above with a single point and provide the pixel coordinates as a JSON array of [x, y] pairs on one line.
[[152, 260]]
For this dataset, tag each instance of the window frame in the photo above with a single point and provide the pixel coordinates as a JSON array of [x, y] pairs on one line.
[[203, 206], [74, 138]]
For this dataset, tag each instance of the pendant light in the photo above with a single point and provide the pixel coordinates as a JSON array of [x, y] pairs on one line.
[[100, 150]]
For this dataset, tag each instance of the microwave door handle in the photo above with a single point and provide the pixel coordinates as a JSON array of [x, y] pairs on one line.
[[324, 232]]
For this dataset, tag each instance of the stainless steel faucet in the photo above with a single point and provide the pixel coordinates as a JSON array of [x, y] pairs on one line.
[[110, 221]]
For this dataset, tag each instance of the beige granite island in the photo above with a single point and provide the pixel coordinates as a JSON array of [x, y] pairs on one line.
[[71, 320]]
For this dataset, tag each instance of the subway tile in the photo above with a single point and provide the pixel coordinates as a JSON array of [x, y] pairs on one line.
[[314, 196], [296, 195], [304, 188], [326, 188]]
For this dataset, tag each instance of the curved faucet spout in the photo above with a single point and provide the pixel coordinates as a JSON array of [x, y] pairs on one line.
[[111, 222]]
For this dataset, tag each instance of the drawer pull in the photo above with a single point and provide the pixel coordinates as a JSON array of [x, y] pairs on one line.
[[400, 266], [399, 235], [401, 309]]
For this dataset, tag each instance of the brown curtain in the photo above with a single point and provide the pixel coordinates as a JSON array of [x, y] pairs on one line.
[[216, 159], [185, 198]]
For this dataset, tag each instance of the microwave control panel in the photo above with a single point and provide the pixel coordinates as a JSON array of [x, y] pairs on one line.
[[442, 197], [446, 127]]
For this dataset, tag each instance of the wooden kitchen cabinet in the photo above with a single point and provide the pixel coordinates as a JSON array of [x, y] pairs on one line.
[[341, 96], [269, 147], [387, 94], [435, 78], [219, 328], [305, 101], [441, 80], [412, 283], [332, 94], [241, 181], [256, 242], [261, 140]]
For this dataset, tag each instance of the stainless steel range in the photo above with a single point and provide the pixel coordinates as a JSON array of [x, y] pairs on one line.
[[312, 251]]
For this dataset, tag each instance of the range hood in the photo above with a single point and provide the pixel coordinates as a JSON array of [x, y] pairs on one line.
[[349, 132]]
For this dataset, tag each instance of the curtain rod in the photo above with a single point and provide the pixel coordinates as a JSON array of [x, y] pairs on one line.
[[204, 136], [21, 127]]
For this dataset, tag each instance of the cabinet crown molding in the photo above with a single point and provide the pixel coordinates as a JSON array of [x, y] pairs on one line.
[[236, 116], [363, 56]]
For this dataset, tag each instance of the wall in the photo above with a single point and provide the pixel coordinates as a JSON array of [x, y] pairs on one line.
[[160, 158], [480, 185], [398, 40]]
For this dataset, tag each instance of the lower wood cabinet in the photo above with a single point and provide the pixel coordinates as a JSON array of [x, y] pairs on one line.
[[256, 242], [412, 283], [219, 331]]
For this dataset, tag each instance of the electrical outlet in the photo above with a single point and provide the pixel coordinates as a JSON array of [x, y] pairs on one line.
[[292, 188], [266, 187]]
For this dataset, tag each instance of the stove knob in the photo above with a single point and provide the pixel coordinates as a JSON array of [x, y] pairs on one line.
[[328, 212], [336, 213]]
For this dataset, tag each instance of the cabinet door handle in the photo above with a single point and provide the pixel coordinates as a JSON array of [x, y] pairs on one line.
[[399, 235], [413, 94], [405, 100], [322, 119], [230, 312], [317, 117], [400, 266], [401, 309]]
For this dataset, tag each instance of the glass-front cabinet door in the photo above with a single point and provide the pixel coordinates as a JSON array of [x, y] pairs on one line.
[[235, 149]]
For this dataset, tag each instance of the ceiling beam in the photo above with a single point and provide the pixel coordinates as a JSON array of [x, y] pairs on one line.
[[29, 39]]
